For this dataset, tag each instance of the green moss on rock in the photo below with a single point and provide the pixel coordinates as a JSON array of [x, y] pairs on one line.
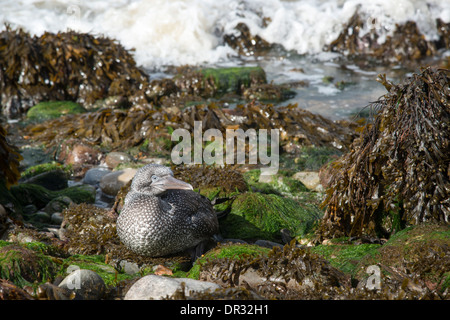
[[24, 266], [262, 216], [53, 109], [227, 251], [233, 79], [346, 257], [45, 167], [40, 196]]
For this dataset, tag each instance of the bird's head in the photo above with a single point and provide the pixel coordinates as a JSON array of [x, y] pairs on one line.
[[155, 179]]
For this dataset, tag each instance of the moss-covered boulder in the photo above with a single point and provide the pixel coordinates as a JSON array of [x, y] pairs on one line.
[[416, 258], [209, 82], [53, 109], [226, 251], [288, 273], [261, 216], [40, 196]]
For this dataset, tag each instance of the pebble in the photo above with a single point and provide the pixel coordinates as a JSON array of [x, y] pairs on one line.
[[57, 218], [310, 179], [129, 267], [81, 155], [29, 209], [113, 159], [42, 216], [154, 287], [86, 284], [94, 175], [111, 183]]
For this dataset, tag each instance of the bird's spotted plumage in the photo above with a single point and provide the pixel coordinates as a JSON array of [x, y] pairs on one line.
[[157, 221]]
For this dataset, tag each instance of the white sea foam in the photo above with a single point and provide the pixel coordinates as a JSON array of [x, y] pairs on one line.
[[191, 31]]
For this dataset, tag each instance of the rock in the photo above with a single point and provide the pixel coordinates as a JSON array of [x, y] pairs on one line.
[[5, 223], [57, 218], [53, 109], [33, 156], [310, 179], [111, 183], [9, 291], [268, 244], [112, 102], [113, 159], [79, 155], [129, 267], [49, 291], [29, 209], [154, 287], [209, 82], [23, 266], [51, 180], [255, 215], [87, 284], [94, 175], [154, 160], [41, 216], [161, 270], [58, 204], [245, 43]]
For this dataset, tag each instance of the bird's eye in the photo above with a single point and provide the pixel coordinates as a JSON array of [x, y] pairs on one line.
[[154, 178]]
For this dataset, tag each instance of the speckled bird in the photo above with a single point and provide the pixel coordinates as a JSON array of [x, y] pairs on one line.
[[163, 215]]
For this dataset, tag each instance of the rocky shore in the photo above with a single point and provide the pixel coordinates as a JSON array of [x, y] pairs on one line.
[[358, 209]]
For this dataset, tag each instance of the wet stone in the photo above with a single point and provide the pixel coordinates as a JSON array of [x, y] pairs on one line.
[[87, 284], [94, 175], [114, 181], [57, 218], [113, 159]]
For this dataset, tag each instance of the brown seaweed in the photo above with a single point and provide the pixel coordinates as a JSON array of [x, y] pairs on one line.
[[397, 172], [122, 129], [64, 66], [9, 160], [406, 45]]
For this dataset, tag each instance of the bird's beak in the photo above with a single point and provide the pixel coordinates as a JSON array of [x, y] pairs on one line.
[[170, 182]]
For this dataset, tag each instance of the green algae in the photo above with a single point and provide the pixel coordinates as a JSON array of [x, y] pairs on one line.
[[261, 216], [346, 257], [53, 109], [279, 184], [96, 263], [235, 78], [45, 167], [40, 196], [226, 251], [24, 266]]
